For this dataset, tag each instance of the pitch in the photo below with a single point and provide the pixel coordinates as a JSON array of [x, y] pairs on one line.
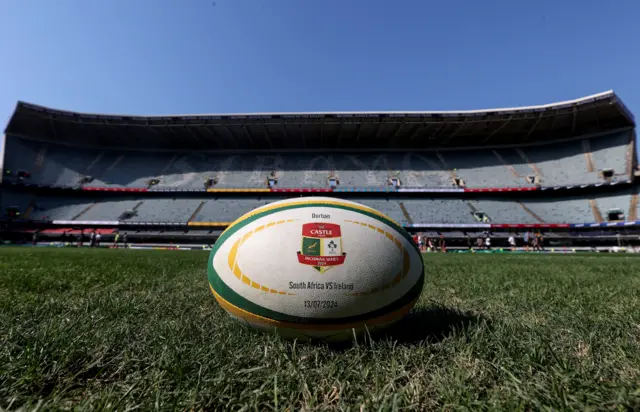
[[125, 329]]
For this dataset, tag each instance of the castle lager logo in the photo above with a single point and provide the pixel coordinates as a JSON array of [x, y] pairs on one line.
[[321, 246]]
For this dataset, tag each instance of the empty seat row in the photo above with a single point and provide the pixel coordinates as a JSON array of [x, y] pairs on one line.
[[555, 164], [402, 210]]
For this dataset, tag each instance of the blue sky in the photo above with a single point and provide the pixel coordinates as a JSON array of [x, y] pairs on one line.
[[197, 56]]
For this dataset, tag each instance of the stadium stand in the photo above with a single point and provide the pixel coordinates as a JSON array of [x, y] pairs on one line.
[[59, 166]]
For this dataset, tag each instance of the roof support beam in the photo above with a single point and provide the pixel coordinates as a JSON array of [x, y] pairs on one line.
[[555, 119], [53, 128], [437, 133], [394, 134], [533, 127], [340, 132], [233, 139], [190, 130], [304, 140], [247, 133], [418, 129], [204, 137], [159, 135], [595, 114], [359, 128], [497, 129], [573, 122], [379, 130], [455, 132], [266, 134], [214, 136]]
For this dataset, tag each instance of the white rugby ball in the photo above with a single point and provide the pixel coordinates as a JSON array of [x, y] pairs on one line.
[[316, 268]]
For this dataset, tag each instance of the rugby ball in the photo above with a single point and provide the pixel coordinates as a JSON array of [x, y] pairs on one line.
[[316, 268]]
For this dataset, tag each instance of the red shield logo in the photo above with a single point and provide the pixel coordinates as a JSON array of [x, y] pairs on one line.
[[321, 246]]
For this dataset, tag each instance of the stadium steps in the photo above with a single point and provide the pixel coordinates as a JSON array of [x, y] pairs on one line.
[[198, 209], [332, 171], [40, 157], [597, 215], [532, 165], [633, 207], [406, 214], [386, 167], [586, 148], [474, 210], [504, 162], [85, 210], [96, 160], [531, 212], [445, 167], [30, 208]]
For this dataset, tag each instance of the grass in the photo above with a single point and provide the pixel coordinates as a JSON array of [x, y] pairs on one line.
[[115, 329]]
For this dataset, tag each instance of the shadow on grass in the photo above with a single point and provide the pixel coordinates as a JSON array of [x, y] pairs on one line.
[[431, 324], [421, 325]]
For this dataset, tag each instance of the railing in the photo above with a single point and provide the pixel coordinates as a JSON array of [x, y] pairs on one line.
[[484, 226]]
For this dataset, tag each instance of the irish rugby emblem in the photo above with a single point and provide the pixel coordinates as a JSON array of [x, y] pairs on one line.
[[321, 246]]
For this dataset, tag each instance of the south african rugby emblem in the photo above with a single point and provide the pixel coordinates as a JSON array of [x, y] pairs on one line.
[[321, 246]]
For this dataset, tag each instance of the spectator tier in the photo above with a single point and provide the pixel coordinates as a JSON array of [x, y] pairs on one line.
[[403, 210], [579, 161]]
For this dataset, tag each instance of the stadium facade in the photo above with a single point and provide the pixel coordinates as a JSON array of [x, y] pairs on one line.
[[567, 168]]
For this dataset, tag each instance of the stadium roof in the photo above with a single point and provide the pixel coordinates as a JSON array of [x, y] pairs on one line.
[[330, 130]]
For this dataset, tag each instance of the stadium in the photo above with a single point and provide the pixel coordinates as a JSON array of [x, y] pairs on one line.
[[567, 169], [116, 328]]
